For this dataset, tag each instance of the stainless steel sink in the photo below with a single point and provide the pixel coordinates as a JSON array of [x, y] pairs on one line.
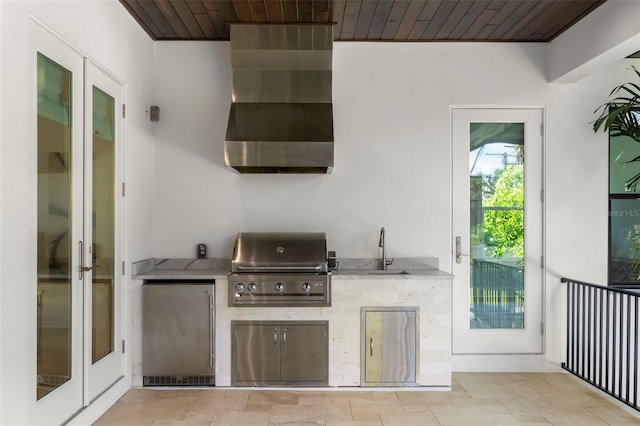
[[389, 272]]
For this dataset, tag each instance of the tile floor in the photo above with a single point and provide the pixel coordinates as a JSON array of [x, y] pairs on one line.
[[475, 399]]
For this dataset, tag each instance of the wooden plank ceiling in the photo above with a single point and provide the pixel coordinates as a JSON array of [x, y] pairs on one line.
[[367, 20]]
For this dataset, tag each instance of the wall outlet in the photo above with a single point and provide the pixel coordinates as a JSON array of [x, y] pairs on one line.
[[202, 251]]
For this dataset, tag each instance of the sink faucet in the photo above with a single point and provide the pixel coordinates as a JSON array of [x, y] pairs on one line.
[[384, 262]]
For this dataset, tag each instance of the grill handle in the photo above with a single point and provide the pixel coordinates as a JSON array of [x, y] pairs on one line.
[[280, 268]]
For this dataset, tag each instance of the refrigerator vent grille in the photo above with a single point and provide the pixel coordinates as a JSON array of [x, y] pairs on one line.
[[178, 380]]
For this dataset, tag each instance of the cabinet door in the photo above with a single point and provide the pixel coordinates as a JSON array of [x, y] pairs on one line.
[[389, 347], [176, 330], [256, 353], [303, 353]]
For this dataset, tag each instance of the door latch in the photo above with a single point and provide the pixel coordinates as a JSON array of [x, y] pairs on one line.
[[459, 253]]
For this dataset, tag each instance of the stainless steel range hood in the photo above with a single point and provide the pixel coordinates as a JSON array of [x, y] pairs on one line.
[[281, 117]]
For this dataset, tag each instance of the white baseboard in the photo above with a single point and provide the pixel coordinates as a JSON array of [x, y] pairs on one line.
[[504, 364], [88, 415]]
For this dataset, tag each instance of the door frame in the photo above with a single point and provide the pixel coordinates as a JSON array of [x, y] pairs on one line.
[[496, 362]]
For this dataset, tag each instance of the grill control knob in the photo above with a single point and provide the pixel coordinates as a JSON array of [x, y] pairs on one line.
[[252, 287], [239, 287], [306, 287], [279, 287]]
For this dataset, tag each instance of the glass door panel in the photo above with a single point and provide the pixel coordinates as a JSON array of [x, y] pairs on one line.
[[496, 169], [103, 230], [103, 226], [55, 214]]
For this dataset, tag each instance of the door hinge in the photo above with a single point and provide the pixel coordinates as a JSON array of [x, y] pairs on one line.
[[542, 195], [122, 346], [541, 262], [123, 189], [124, 111], [123, 267], [542, 329], [541, 129]]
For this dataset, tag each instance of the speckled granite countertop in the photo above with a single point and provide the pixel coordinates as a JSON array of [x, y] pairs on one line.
[[176, 269], [349, 268], [402, 268]]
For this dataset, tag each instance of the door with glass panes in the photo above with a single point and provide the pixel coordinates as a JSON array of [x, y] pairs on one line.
[[78, 134], [497, 231]]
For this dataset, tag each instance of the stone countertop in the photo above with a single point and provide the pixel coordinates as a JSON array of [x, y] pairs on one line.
[[169, 269], [177, 269], [415, 268], [411, 274]]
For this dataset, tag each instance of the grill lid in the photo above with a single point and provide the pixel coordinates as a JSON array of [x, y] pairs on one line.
[[280, 252]]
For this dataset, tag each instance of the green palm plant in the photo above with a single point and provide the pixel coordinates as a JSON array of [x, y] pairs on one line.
[[621, 117]]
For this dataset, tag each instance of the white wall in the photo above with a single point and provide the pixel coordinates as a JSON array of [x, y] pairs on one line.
[[391, 111], [600, 39], [104, 31], [392, 156], [392, 137]]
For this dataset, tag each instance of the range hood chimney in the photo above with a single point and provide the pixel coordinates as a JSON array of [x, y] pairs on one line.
[[281, 117]]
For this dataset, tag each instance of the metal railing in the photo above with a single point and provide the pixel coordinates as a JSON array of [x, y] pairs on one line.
[[497, 294], [603, 337]]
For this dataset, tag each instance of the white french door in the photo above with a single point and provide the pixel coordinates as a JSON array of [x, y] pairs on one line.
[[78, 133], [497, 231], [103, 230]]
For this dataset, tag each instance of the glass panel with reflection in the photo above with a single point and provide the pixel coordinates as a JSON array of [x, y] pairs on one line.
[[496, 170], [103, 225], [54, 135]]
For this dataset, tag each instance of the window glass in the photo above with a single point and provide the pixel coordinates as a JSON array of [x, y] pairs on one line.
[[623, 172], [624, 240]]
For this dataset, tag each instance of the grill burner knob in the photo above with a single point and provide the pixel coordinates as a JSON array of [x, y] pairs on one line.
[[252, 287], [306, 287], [239, 287], [279, 287]]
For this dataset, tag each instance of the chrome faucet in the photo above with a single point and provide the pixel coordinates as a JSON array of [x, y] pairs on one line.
[[384, 262]]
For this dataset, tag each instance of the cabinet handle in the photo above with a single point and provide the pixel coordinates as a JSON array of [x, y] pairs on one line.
[[275, 337], [371, 346], [211, 328], [284, 337]]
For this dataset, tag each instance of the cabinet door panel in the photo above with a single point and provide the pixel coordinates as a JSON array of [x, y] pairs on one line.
[[257, 353], [175, 326], [303, 353], [390, 347]]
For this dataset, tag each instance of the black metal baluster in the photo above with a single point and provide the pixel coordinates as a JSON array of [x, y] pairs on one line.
[[588, 327], [567, 363], [628, 349], [582, 328], [574, 341], [607, 332], [620, 344], [601, 342], [635, 353], [614, 358]]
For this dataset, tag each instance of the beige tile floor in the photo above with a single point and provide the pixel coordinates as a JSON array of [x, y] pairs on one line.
[[475, 399]]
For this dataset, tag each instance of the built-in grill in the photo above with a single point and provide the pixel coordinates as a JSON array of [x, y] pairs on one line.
[[279, 269]]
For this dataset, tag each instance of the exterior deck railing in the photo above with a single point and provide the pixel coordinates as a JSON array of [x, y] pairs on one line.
[[497, 294], [603, 338]]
